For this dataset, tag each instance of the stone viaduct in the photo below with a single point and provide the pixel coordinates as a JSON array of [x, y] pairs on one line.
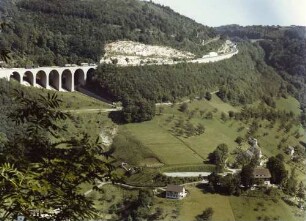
[[58, 78]]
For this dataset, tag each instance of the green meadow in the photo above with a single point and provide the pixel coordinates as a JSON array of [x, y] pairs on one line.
[[160, 138], [70, 100], [227, 208]]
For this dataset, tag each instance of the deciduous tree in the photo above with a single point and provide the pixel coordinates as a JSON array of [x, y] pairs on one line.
[[42, 174], [206, 215], [247, 175], [219, 156], [277, 169]]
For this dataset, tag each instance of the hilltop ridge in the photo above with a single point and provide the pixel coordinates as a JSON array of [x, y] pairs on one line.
[[73, 31]]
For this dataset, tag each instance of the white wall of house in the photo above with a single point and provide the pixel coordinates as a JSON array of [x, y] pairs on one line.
[[176, 195]]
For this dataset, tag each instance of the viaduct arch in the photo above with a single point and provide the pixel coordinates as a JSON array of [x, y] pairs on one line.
[[58, 78]]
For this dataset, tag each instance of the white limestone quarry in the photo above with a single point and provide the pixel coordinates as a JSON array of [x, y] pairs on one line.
[[129, 53]]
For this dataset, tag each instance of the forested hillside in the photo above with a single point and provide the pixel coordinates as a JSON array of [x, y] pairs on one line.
[[243, 79], [6, 106], [285, 50], [239, 80], [52, 32]]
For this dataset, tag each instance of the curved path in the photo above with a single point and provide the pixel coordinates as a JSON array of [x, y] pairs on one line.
[[94, 110], [99, 186]]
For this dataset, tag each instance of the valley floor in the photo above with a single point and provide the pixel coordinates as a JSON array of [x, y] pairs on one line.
[[250, 206], [158, 146]]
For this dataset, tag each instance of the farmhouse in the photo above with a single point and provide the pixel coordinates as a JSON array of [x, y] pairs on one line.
[[262, 176], [175, 192]]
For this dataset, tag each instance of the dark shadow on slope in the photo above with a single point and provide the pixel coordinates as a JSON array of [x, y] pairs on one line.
[[117, 117], [88, 92]]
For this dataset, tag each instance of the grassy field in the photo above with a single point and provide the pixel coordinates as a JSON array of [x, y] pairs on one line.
[[77, 100], [127, 147], [288, 104], [171, 149], [197, 202], [216, 102], [109, 196], [157, 136], [168, 148], [226, 208], [262, 209], [71, 100], [217, 132]]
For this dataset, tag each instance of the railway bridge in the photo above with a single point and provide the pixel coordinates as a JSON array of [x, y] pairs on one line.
[[58, 78]]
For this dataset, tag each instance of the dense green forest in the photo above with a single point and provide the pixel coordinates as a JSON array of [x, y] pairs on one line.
[[240, 80], [285, 51], [7, 105], [73, 31]]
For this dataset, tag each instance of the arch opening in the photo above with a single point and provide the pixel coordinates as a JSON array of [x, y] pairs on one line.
[[15, 76], [28, 77], [41, 79], [67, 80], [79, 78], [54, 80], [90, 75]]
